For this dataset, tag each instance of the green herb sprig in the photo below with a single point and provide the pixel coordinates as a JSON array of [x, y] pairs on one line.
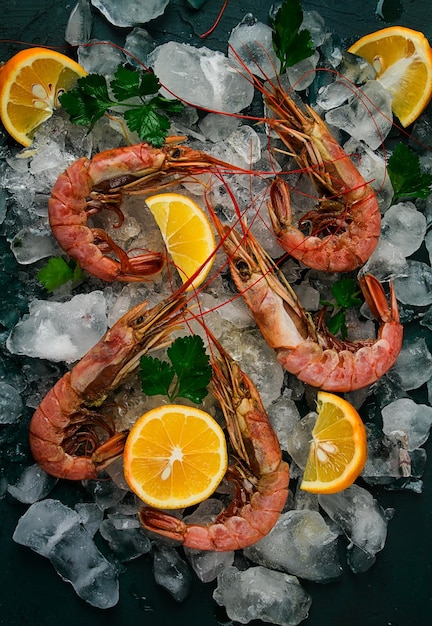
[[186, 376], [346, 297], [57, 271], [90, 100], [290, 44], [407, 180]]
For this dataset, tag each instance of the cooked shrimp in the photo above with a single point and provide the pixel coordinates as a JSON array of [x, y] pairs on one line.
[[90, 185], [64, 437], [260, 476], [305, 347]]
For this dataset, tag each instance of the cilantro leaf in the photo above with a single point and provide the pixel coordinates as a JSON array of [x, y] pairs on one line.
[[88, 101], [56, 272], [156, 376], [405, 175], [187, 376], [290, 44]]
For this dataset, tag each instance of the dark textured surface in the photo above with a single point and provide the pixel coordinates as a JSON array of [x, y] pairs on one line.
[[397, 591]]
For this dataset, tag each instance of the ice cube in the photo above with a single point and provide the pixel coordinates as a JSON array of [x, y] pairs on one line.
[[200, 76], [31, 244], [208, 564], [79, 25], [367, 116], [404, 227], [127, 543], [171, 572], [60, 331], [262, 594], [54, 530], [301, 544], [11, 405], [33, 485], [250, 45], [359, 515], [415, 420], [130, 12], [414, 285], [413, 366]]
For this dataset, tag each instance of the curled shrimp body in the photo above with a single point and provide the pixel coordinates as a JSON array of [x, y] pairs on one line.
[[64, 436], [345, 226], [90, 185], [260, 476], [304, 346]]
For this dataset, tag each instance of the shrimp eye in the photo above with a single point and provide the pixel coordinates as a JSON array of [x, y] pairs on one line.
[[243, 269], [139, 320], [176, 154]]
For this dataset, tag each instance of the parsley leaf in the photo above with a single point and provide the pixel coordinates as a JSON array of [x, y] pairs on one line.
[[290, 44], [91, 99], [405, 175], [56, 272], [346, 296], [187, 376], [88, 101], [156, 376]]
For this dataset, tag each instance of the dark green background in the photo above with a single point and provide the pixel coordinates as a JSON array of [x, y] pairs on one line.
[[397, 591]]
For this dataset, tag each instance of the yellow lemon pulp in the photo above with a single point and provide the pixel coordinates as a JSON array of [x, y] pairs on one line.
[[187, 234], [338, 448], [175, 456]]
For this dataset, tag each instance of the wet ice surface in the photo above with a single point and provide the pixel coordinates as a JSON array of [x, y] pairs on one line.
[[212, 80], [301, 544], [11, 405], [54, 530], [130, 12], [360, 517], [261, 593], [60, 331]]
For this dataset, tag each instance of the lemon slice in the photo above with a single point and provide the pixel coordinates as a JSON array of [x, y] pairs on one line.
[[187, 234], [338, 448], [30, 85], [402, 59], [175, 456]]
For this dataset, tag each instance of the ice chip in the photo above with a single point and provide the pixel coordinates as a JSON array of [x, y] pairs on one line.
[[359, 515], [367, 116], [127, 543], [11, 405], [250, 45], [31, 244], [210, 80], [404, 227], [246, 143], [100, 57], [54, 530], [413, 419], [414, 285], [301, 544], [79, 25], [171, 572], [259, 593], [60, 331], [413, 366], [207, 564], [33, 485], [130, 12]]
